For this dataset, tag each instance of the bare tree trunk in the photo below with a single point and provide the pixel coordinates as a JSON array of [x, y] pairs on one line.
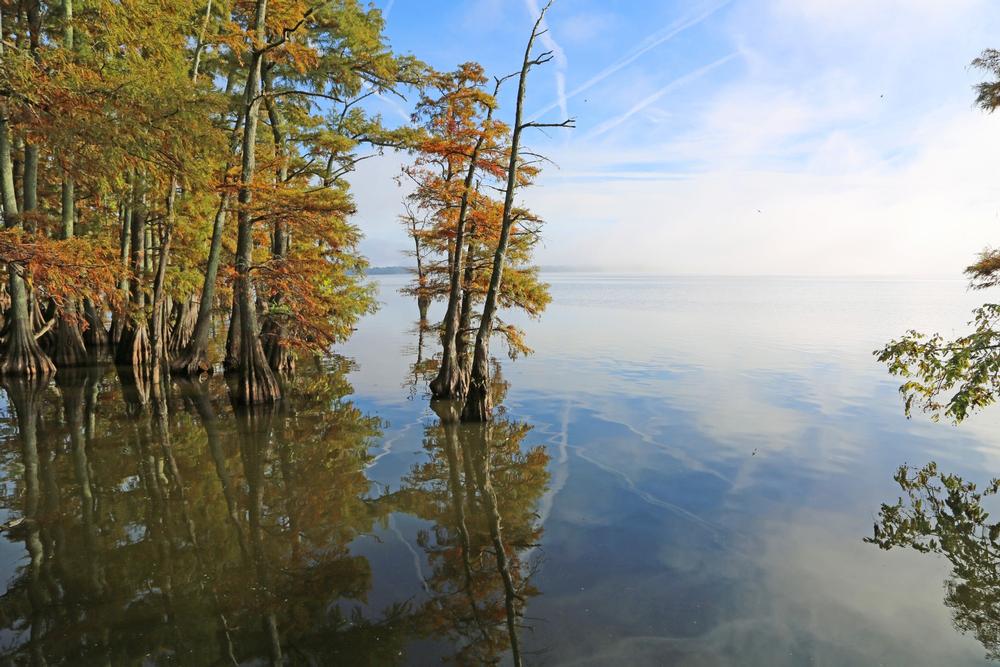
[[194, 359], [478, 403], [68, 348], [30, 178]]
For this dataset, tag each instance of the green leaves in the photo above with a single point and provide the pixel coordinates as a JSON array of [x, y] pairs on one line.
[[948, 378], [988, 92]]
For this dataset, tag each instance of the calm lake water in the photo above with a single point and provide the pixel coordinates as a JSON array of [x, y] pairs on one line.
[[683, 474]]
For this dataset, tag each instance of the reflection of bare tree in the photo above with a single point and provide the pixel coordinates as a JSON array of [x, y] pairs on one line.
[[943, 514], [480, 488], [485, 479]]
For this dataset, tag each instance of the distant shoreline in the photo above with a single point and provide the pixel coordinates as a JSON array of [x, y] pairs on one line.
[[404, 270]]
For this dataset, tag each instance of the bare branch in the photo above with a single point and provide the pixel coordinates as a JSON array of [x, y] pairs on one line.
[[569, 122]]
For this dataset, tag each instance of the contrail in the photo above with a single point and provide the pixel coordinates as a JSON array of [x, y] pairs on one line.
[[395, 106], [676, 83], [651, 42]]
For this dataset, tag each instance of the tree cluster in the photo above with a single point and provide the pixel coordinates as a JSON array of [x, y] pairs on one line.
[[472, 243], [170, 169]]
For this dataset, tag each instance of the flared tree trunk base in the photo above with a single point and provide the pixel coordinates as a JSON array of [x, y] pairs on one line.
[[23, 356], [448, 411], [185, 317], [272, 340], [478, 402], [68, 348], [133, 350], [450, 383], [255, 384], [96, 337], [192, 362]]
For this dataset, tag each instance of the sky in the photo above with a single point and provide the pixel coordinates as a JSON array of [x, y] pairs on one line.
[[739, 137]]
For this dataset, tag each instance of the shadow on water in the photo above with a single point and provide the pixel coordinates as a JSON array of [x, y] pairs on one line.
[[163, 526], [945, 515]]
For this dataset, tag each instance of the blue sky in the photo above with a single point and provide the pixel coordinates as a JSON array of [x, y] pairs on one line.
[[820, 137]]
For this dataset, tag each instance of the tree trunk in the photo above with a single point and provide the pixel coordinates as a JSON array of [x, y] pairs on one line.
[[30, 182], [96, 336], [233, 336], [478, 401], [124, 249], [159, 327], [272, 330], [185, 314], [133, 349], [68, 345], [68, 348], [256, 382], [21, 353], [465, 317], [193, 361], [450, 381]]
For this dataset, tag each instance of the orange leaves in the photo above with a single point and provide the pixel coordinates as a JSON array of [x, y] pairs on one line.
[[67, 269]]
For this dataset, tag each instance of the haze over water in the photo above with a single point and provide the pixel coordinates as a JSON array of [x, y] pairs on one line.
[[684, 472]]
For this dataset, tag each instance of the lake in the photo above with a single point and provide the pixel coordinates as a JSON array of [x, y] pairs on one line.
[[683, 473]]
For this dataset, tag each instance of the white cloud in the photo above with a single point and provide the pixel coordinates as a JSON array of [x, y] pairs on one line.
[[847, 124], [841, 214]]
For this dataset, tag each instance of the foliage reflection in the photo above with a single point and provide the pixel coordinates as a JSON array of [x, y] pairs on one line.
[[943, 514], [162, 525]]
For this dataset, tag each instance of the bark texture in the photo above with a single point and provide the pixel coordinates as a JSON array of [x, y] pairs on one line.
[[256, 382]]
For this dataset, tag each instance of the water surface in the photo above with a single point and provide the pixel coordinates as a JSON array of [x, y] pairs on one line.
[[683, 473]]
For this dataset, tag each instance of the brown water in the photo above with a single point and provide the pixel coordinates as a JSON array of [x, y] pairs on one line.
[[683, 473]]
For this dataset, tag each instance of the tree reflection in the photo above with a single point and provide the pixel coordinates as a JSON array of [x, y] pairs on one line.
[[944, 514], [161, 525], [480, 488]]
